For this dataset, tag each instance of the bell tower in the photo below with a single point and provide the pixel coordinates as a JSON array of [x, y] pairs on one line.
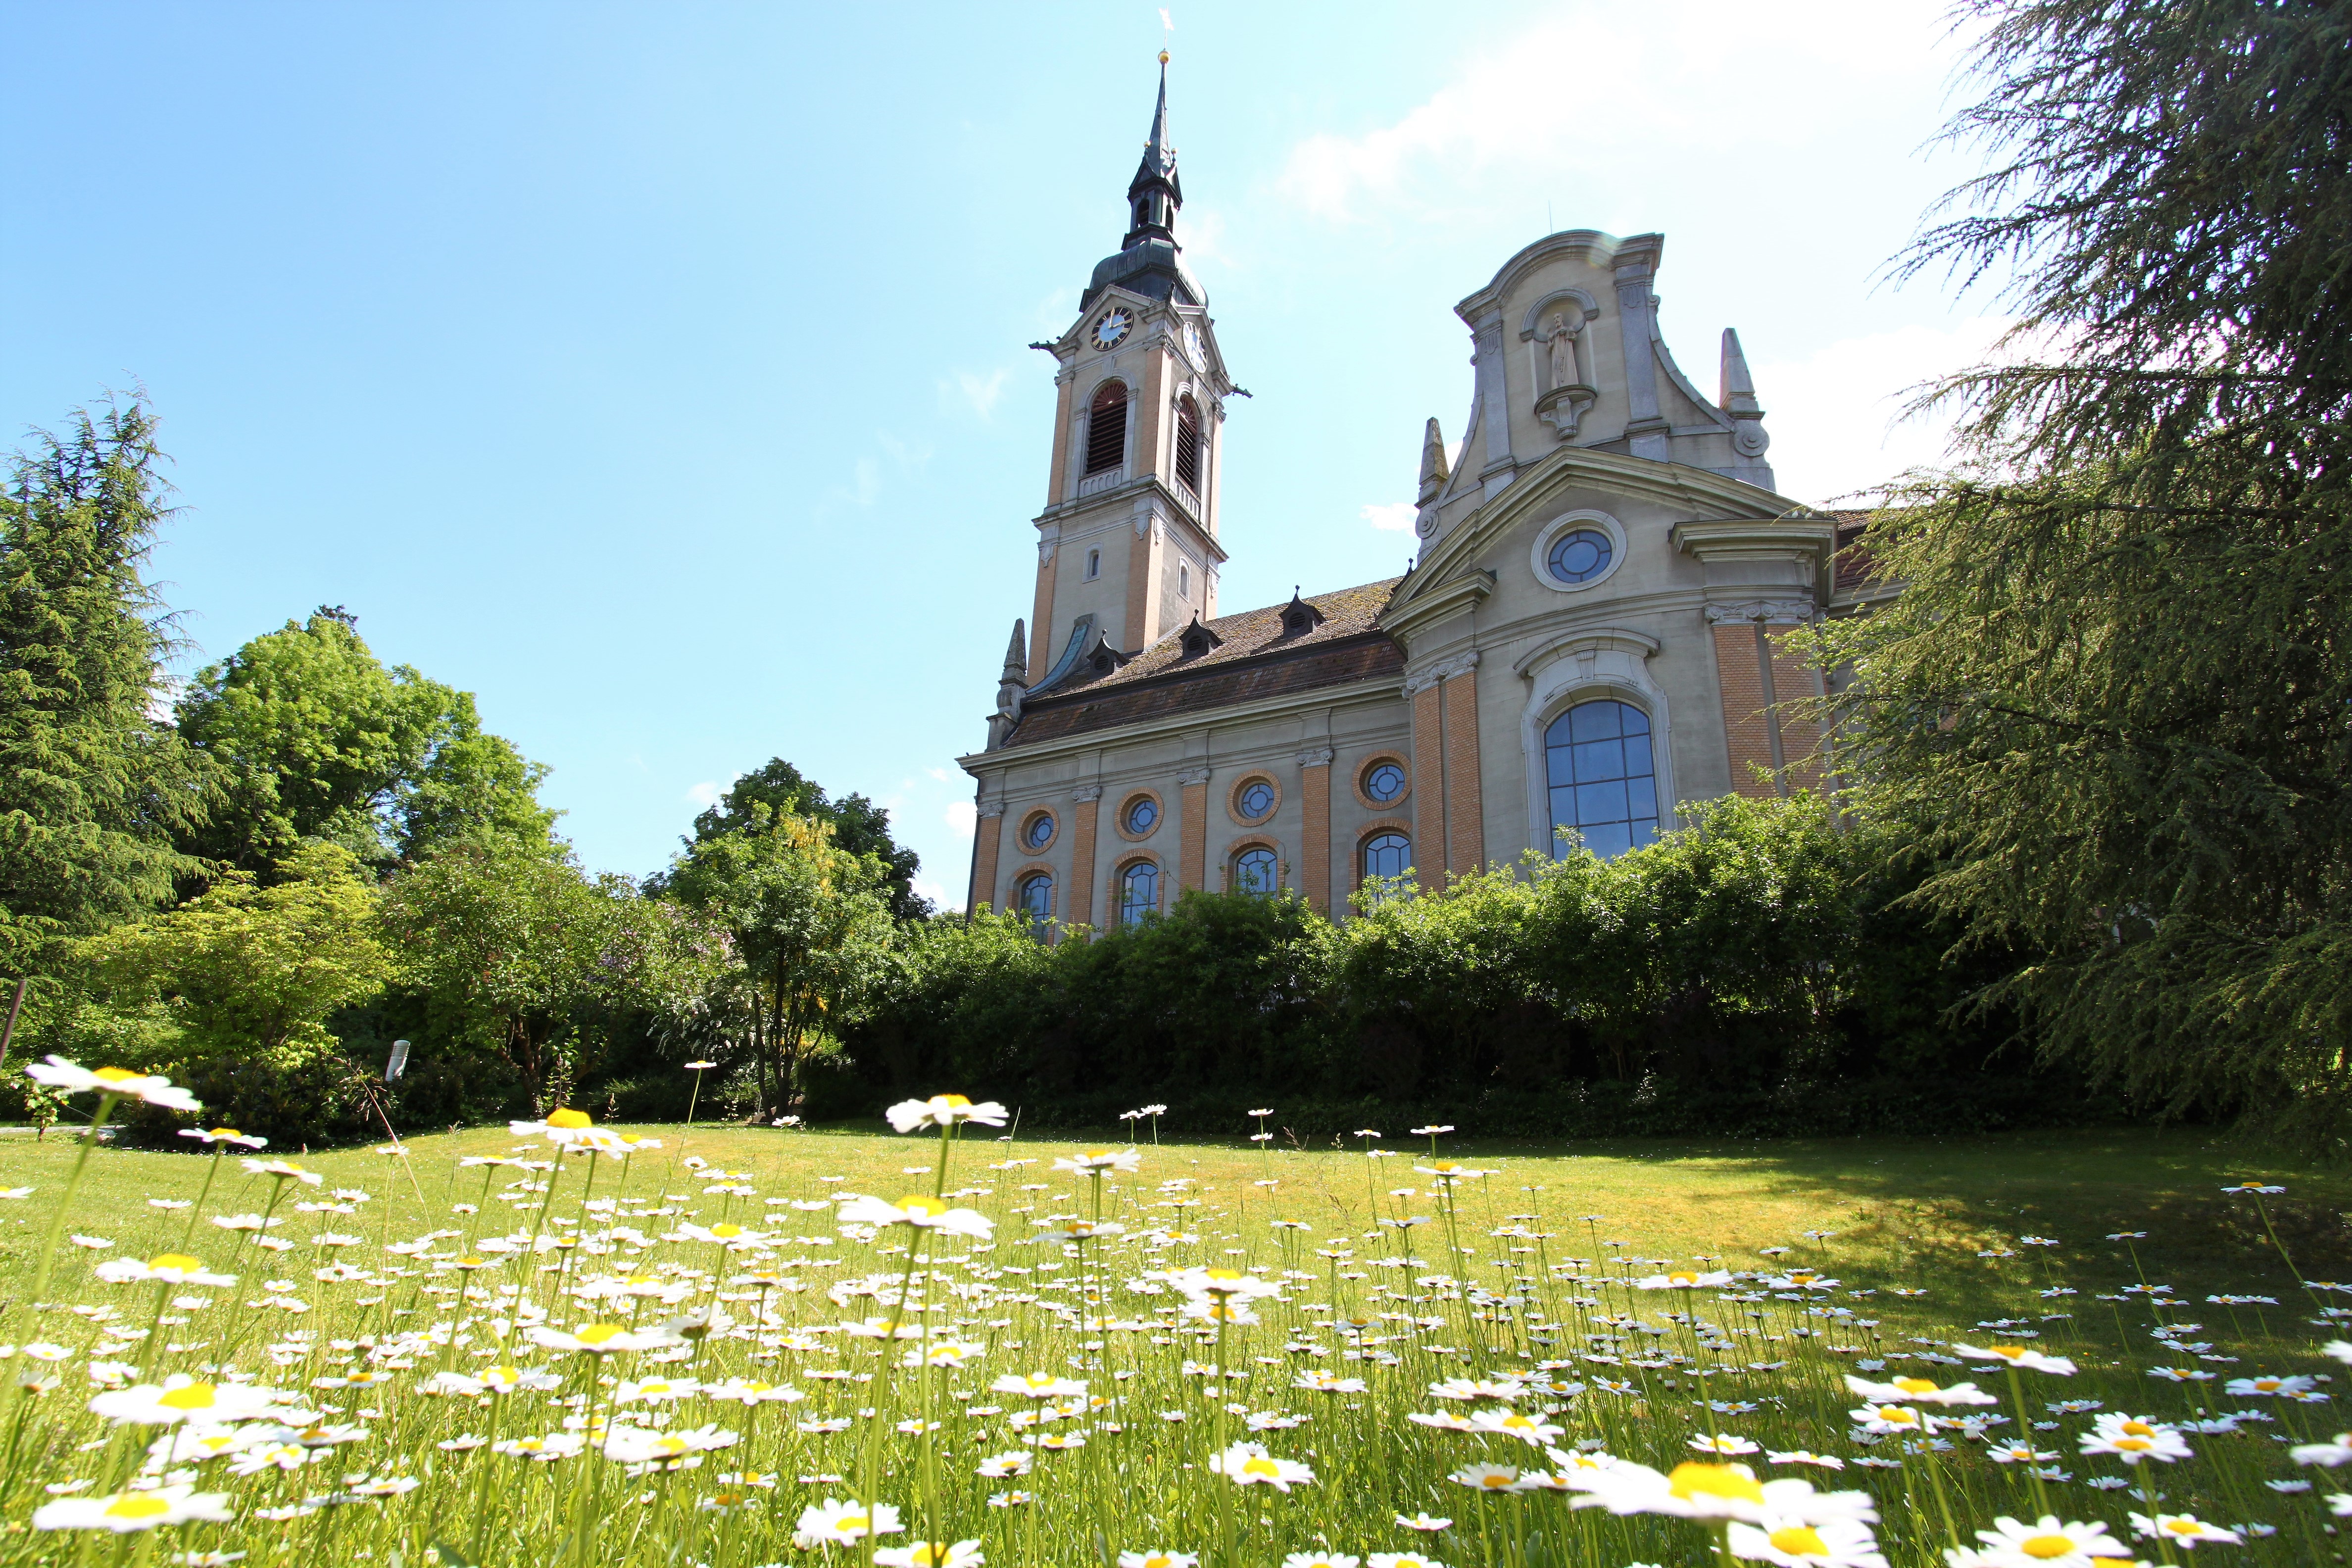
[[1126, 544]]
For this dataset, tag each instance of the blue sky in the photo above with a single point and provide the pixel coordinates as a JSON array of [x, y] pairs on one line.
[[658, 371]]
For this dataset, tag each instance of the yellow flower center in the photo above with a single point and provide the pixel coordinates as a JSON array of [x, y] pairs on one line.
[[1682, 1277], [115, 1075], [726, 1232], [226, 1132], [2267, 1385], [2046, 1546], [139, 1505], [569, 1119], [1897, 1415], [2184, 1527], [1732, 1482], [178, 1260], [852, 1522], [952, 1101], [1494, 1480], [2007, 1352], [598, 1333], [1798, 1540], [1257, 1467], [2139, 1428], [1915, 1385], [193, 1396], [2136, 1444], [922, 1207]]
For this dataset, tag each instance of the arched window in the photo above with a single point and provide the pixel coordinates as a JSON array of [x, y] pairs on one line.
[[1036, 900], [1138, 892], [1107, 427], [1093, 564], [1188, 444], [1386, 854], [1256, 872], [1603, 780]]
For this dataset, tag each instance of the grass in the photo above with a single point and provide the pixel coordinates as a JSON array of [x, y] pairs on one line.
[[1885, 1212]]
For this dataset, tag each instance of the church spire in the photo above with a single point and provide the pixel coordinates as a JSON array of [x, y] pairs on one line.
[[1155, 193]]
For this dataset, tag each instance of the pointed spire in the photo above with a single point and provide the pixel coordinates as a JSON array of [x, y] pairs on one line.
[[1016, 654], [1738, 387], [1434, 468], [1155, 193]]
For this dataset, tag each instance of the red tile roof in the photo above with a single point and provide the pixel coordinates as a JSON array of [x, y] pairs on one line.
[[1255, 661]]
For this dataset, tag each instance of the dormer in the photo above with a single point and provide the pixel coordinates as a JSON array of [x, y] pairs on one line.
[[1298, 617], [1197, 639]]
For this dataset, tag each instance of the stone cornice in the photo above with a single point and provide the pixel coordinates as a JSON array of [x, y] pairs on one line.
[[1423, 606], [1420, 680], [1178, 724]]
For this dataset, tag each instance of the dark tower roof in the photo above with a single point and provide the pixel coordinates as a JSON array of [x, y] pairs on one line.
[[1146, 263]]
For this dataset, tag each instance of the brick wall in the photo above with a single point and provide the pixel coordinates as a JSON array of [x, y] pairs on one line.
[[1796, 680], [1314, 834], [1739, 668], [1429, 788], [1081, 905], [988, 836], [1196, 850], [1466, 825]]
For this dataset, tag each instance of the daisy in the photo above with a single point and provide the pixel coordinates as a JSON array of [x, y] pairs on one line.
[[601, 1339], [2337, 1451], [124, 1512], [845, 1523], [113, 1082], [1094, 1162], [1834, 1544], [283, 1171], [211, 1136], [918, 1212], [932, 1554], [2131, 1440], [164, 1269], [1319, 1560], [2182, 1530], [1158, 1557], [1404, 1559], [1696, 1490], [945, 1110], [1249, 1464], [1918, 1390], [2251, 1387], [1685, 1280], [2019, 1356], [2046, 1543], [182, 1398], [1426, 1523], [1486, 1477]]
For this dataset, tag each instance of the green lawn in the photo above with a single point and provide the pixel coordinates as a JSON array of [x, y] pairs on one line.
[[1905, 1210]]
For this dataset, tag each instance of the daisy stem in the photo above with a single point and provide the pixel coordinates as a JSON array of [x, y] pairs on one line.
[[488, 1462], [196, 1209], [2025, 1430]]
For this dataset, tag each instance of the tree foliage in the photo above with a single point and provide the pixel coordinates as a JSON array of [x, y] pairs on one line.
[[2109, 704], [92, 789], [318, 741], [858, 825]]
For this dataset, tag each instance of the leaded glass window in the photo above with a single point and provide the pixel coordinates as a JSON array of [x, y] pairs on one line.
[[1604, 778]]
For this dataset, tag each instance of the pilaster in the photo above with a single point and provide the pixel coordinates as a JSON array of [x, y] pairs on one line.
[[987, 839], [1193, 872], [1465, 826], [1315, 832], [1429, 788], [1087, 801]]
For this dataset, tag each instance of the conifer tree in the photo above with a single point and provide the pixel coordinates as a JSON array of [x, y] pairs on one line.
[[92, 787], [2112, 700]]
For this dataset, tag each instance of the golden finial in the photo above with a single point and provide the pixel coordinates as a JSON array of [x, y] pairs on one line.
[[1163, 57]]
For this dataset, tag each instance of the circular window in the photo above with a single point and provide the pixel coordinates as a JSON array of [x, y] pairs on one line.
[[1384, 782], [1579, 556], [1142, 815], [1038, 831], [1255, 800]]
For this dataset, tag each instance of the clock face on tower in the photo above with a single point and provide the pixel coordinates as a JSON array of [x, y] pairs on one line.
[[1192, 340], [1111, 330]]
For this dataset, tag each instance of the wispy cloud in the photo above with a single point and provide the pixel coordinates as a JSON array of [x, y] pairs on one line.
[[1836, 414], [1394, 518], [705, 793], [961, 817], [977, 393]]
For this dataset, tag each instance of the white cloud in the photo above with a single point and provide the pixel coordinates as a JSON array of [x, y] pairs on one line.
[[942, 775], [1394, 518], [978, 391], [1618, 94], [705, 793], [1835, 415], [963, 819]]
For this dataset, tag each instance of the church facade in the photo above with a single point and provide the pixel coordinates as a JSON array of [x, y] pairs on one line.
[[1592, 628]]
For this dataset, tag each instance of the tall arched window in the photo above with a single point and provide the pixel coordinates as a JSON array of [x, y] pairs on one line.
[[1256, 872], [1036, 900], [1138, 892], [1188, 444], [1107, 427], [1603, 780], [1387, 855]]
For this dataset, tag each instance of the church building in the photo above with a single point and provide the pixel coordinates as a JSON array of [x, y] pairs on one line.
[[1591, 630]]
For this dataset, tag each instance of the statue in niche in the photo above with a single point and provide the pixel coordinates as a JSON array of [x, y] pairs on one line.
[[1563, 404], [1563, 353]]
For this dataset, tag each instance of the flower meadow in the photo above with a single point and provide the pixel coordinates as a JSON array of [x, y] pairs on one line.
[[604, 1347]]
